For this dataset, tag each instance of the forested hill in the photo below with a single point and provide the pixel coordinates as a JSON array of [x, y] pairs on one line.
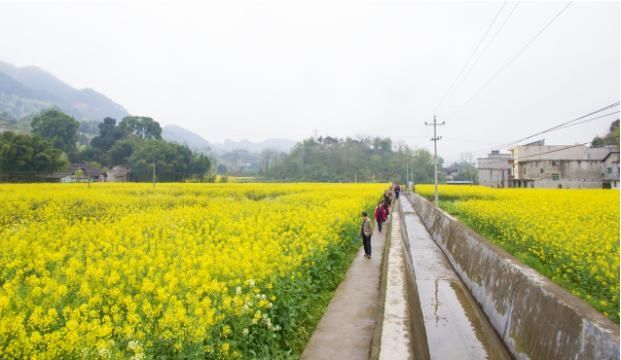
[[28, 90], [347, 160]]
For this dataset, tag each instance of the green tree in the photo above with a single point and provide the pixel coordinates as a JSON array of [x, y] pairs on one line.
[[26, 155], [172, 162], [612, 138], [364, 159], [109, 133], [142, 127], [120, 152], [466, 172], [200, 165], [60, 129]]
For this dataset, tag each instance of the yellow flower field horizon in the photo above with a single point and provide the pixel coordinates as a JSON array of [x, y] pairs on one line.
[[184, 270]]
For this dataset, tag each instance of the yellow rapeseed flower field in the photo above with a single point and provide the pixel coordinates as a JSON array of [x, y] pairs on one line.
[[182, 270], [571, 236]]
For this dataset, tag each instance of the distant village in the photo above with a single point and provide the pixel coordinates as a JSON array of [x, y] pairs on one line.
[[533, 165], [84, 172], [537, 165]]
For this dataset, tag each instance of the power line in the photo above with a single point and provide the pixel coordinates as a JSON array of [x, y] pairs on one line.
[[470, 58], [563, 124], [558, 127], [489, 43], [506, 65], [589, 120]]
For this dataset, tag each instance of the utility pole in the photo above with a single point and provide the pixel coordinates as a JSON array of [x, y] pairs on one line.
[[154, 174], [435, 140], [407, 172]]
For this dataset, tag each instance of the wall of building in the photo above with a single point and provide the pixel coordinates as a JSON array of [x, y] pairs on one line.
[[568, 184], [564, 169], [610, 167], [494, 177], [494, 170]]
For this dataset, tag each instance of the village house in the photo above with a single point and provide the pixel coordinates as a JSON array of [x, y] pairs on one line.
[[119, 173], [564, 166], [77, 172], [495, 169]]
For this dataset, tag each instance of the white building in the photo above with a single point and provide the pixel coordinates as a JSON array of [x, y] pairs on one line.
[[495, 169], [563, 166], [119, 173]]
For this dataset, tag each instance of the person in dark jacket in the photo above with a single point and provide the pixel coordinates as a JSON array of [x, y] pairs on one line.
[[366, 231], [397, 191], [380, 215]]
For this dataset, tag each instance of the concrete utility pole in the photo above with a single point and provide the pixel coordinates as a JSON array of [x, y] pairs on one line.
[[407, 172], [435, 139], [154, 174]]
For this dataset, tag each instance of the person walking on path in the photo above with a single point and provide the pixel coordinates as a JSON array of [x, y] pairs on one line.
[[397, 191], [380, 215], [366, 231], [386, 207], [387, 196]]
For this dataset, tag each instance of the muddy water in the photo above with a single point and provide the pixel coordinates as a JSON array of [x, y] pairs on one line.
[[454, 324]]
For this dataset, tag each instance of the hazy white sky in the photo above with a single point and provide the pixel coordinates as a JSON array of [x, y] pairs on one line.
[[266, 69]]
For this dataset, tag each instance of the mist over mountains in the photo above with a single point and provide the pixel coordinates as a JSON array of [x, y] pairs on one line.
[[181, 135], [29, 89]]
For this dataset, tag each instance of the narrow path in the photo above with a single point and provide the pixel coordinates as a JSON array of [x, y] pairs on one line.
[[346, 328], [396, 339]]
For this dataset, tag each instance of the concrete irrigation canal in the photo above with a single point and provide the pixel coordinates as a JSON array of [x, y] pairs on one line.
[[434, 289]]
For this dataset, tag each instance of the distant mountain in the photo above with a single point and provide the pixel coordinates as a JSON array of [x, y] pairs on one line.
[[283, 145], [181, 135], [29, 89]]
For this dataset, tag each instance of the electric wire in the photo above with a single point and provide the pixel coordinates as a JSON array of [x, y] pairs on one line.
[[446, 95], [487, 46], [515, 57], [589, 120], [562, 125]]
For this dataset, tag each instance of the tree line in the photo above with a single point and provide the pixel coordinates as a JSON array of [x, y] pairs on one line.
[[56, 140], [136, 141], [348, 160]]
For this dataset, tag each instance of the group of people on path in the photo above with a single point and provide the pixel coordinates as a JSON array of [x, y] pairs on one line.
[[381, 213]]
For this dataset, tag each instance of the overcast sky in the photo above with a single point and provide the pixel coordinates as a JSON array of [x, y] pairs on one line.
[[272, 69]]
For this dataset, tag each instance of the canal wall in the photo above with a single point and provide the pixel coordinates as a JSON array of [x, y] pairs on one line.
[[535, 318]]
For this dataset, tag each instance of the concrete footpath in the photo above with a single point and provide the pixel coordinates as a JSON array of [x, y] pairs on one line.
[[346, 328], [396, 341]]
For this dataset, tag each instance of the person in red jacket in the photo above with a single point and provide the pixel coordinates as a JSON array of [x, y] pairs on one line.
[[380, 215]]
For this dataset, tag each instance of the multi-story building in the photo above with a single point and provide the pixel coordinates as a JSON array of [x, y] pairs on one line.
[[495, 169], [562, 166]]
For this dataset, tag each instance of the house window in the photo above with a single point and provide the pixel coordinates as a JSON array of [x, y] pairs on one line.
[[541, 171], [610, 170], [555, 177], [554, 163]]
